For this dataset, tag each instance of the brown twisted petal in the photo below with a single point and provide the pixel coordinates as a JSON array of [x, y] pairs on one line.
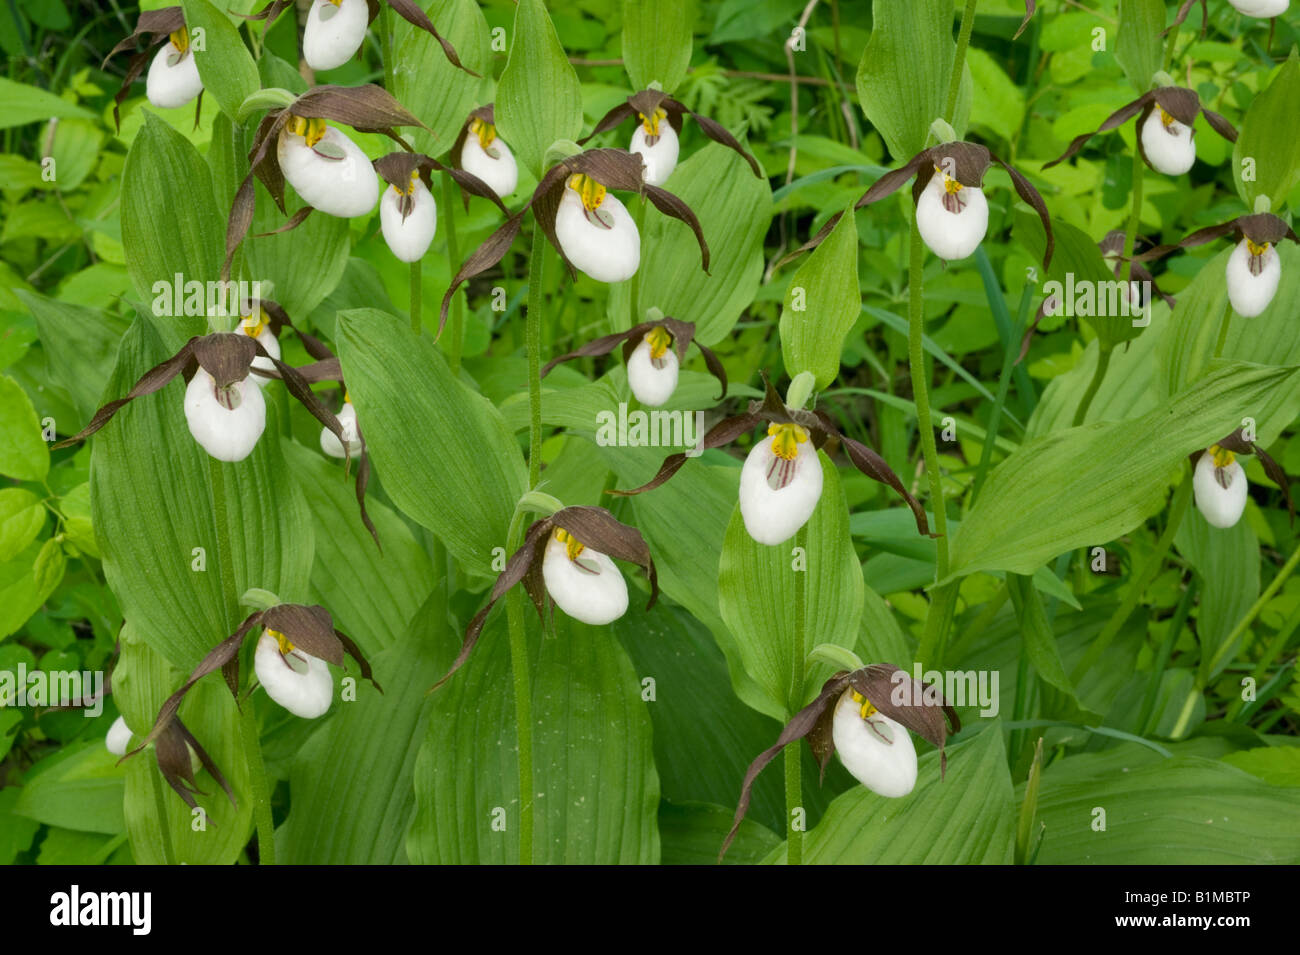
[[153, 26], [172, 750], [412, 13], [1113, 121], [600, 346], [481, 259], [268, 12], [724, 432], [1026, 191], [1183, 9], [877, 683], [367, 109], [1237, 443], [155, 379], [1030, 7]]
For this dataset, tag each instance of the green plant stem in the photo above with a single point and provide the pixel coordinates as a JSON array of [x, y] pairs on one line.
[[942, 601], [523, 689], [417, 323], [257, 779], [169, 853], [1020, 710], [533, 342], [793, 768], [1098, 374], [1266, 660], [1141, 580], [634, 297], [456, 329], [248, 718], [1224, 323], [1170, 45], [959, 60]]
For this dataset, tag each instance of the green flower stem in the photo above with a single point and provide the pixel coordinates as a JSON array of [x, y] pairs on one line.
[[793, 755], [942, 601], [169, 853], [456, 327], [248, 717], [959, 59], [1098, 374], [519, 669], [1223, 330], [1141, 580], [257, 778], [533, 342], [417, 324], [1170, 45]]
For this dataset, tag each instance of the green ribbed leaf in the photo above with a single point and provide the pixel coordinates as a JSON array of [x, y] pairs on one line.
[[657, 41]]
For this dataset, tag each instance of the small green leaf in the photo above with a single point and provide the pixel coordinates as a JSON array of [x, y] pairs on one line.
[[1267, 148], [821, 305], [657, 41], [1138, 44], [539, 99], [21, 104], [21, 518], [225, 65], [23, 452], [903, 77]]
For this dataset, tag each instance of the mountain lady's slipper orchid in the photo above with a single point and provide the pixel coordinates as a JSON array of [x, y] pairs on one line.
[[590, 228], [653, 352], [1254, 267], [1261, 9], [566, 557], [335, 29], [1219, 481], [1166, 138], [352, 443], [781, 481], [296, 643], [408, 214], [178, 753], [480, 151], [858, 714], [659, 124], [173, 78], [952, 213], [225, 410], [327, 169]]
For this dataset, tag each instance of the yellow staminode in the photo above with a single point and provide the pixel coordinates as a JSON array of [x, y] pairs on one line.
[[485, 132], [659, 340], [591, 192], [786, 439], [410, 187], [1257, 249], [252, 328], [309, 129], [285, 646], [867, 711], [1165, 118], [1222, 456], [950, 185], [180, 39], [651, 122], [571, 545]]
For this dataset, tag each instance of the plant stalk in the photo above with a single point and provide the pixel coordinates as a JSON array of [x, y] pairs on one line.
[[533, 342], [793, 768], [417, 310], [959, 59], [523, 690]]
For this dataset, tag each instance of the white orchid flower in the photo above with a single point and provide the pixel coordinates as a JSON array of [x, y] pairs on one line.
[[656, 142], [1169, 145], [1219, 486], [173, 79], [1263, 9], [780, 484], [328, 170], [584, 583], [409, 219], [334, 32], [876, 750], [951, 218], [595, 231], [329, 442], [226, 421], [486, 155], [652, 368], [295, 679]]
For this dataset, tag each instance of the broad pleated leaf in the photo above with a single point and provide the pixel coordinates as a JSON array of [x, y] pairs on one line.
[[657, 41], [821, 304]]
